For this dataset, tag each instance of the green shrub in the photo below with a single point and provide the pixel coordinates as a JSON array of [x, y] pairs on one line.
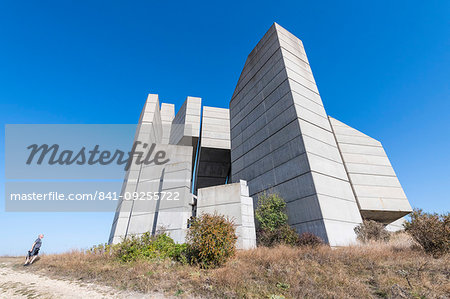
[[131, 248], [431, 231], [273, 222], [146, 246], [211, 240], [167, 248], [309, 239], [101, 249], [371, 230], [271, 212]]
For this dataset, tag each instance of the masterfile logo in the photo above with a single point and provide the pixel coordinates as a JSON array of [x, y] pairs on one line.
[[80, 167], [53, 155]]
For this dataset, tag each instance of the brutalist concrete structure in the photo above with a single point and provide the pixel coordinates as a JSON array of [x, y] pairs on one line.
[[198, 149], [275, 138]]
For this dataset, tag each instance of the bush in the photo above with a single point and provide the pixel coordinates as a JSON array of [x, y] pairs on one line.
[[146, 246], [371, 230], [431, 231], [309, 239], [281, 235], [211, 240], [273, 224], [270, 212]]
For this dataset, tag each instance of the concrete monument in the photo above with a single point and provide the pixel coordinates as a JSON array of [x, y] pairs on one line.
[[275, 138]]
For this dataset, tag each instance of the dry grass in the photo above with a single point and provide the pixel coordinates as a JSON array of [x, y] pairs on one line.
[[391, 270]]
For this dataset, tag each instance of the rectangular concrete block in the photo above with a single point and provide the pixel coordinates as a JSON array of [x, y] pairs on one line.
[[366, 159], [362, 149], [232, 201], [380, 204], [374, 180], [370, 169]]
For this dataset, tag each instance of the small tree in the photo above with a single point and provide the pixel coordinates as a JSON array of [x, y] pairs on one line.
[[271, 212], [273, 224], [371, 230], [211, 240], [431, 231]]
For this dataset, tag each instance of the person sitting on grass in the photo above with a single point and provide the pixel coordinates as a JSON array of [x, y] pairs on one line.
[[33, 253]]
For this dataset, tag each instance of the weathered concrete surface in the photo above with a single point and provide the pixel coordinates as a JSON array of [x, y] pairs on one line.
[[281, 140], [185, 129], [377, 189], [149, 130], [187, 120], [167, 116], [232, 201]]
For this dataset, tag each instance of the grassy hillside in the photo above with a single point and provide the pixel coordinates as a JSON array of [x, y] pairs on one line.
[[397, 269]]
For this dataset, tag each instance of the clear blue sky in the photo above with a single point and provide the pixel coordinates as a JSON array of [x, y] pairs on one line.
[[381, 67]]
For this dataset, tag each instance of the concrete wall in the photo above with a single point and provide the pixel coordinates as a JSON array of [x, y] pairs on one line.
[[185, 128], [232, 201], [378, 191], [282, 142], [216, 128], [167, 116], [214, 158]]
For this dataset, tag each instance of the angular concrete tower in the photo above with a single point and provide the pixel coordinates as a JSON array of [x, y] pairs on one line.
[[159, 126], [282, 141]]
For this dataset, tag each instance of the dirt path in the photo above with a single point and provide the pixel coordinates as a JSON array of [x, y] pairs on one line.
[[17, 282]]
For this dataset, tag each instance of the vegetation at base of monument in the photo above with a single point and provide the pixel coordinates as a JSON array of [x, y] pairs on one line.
[[370, 230], [281, 235], [430, 230], [271, 212], [273, 224], [398, 267], [394, 269], [211, 241], [309, 239], [146, 246]]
